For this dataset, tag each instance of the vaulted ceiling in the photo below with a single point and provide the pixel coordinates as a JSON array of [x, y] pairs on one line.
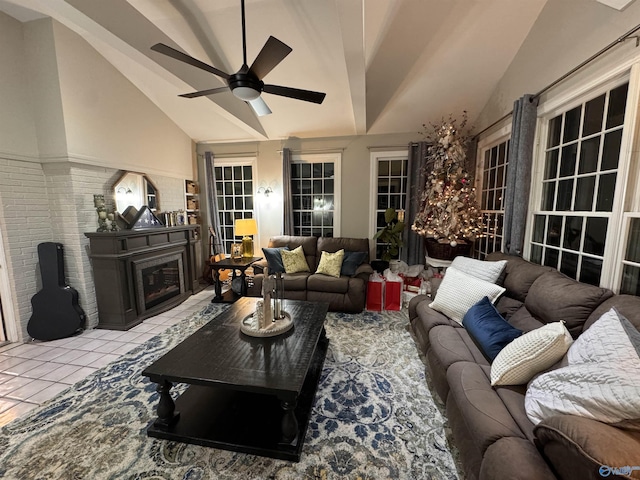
[[387, 66]]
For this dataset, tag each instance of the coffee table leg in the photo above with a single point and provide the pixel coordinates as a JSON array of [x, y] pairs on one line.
[[166, 407], [289, 422]]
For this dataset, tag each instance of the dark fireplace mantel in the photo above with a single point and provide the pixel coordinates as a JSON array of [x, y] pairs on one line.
[[121, 262]]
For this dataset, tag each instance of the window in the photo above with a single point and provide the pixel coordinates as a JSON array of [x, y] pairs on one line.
[[315, 192], [389, 178], [492, 169], [580, 176], [234, 190]]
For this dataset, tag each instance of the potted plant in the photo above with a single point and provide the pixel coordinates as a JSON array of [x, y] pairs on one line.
[[390, 235], [448, 216]]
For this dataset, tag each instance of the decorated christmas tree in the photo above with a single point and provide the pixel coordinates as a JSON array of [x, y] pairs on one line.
[[448, 210]]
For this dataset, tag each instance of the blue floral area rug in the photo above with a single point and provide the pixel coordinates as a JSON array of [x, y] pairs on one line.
[[373, 418]]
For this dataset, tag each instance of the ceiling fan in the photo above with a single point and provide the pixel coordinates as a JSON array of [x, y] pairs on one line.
[[246, 84]]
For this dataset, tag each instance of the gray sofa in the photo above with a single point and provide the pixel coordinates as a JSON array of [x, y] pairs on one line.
[[344, 294], [490, 428]]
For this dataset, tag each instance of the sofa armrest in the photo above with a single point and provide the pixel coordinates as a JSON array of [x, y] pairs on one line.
[[579, 447], [516, 459], [363, 271], [260, 266]]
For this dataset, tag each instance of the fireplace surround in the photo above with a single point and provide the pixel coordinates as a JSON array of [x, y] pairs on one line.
[[140, 273]]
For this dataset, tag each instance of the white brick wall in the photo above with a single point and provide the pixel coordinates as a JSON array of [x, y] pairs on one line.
[[54, 202]]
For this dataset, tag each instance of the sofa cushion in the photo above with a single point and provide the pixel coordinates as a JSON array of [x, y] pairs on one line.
[[309, 246], [582, 448], [330, 263], [458, 292], [529, 354], [325, 283], [485, 415], [274, 259], [523, 320], [554, 296], [487, 271], [527, 462], [294, 260], [519, 275], [601, 381], [488, 329], [295, 281], [454, 344], [333, 244], [351, 262], [626, 305], [507, 306]]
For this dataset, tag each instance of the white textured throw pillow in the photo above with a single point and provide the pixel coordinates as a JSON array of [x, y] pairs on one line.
[[458, 292], [484, 270], [602, 380], [530, 353]]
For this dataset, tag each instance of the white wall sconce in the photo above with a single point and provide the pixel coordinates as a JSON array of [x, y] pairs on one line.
[[265, 191]]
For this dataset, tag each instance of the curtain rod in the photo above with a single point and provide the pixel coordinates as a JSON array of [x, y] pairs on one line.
[[618, 41], [316, 150]]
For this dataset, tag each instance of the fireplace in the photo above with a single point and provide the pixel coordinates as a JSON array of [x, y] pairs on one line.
[[140, 273], [158, 280]]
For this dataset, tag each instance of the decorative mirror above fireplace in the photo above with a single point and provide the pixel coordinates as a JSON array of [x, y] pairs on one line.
[[135, 189]]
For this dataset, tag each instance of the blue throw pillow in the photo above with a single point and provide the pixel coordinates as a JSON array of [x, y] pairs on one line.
[[351, 262], [274, 259], [488, 329]]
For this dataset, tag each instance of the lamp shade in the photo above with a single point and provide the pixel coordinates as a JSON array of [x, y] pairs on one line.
[[246, 226]]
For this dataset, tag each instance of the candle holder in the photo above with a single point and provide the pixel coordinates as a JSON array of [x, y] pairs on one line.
[[101, 210]]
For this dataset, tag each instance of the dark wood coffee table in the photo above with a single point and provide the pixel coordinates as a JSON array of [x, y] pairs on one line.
[[246, 394]]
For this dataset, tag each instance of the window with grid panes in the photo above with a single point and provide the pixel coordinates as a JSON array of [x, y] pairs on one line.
[[494, 179], [234, 190], [391, 190], [313, 197], [578, 186]]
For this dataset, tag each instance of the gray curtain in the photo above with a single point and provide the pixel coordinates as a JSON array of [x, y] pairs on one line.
[[212, 203], [516, 200], [287, 200], [413, 250]]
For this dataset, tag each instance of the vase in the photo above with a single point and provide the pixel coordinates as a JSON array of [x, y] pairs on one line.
[[444, 251]]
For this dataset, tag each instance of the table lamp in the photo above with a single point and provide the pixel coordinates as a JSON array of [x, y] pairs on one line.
[[246, 227]]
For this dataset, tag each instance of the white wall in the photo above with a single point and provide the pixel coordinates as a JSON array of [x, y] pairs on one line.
[[566, 33], [17, 125], [355, 175], [69, 124]]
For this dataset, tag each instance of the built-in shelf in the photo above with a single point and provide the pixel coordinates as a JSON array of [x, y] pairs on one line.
[[192, 202]]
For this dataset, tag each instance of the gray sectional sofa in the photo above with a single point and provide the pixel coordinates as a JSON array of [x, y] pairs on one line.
[[490, 428], [344, 294]]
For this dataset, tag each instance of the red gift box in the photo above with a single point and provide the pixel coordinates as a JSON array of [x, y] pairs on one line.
[[392, 295], [375, 296]]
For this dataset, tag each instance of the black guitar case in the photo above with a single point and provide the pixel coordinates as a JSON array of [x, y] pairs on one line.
[[56, 313]]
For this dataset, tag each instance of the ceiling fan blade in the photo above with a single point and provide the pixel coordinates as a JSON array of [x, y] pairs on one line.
[[202, 93], [272, 53], [183, 57], [306, 95], [260, 107]]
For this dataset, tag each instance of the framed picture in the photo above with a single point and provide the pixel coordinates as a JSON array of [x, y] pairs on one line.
[[236, 251]]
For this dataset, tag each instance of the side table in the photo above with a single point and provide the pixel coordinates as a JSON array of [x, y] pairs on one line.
[[240, 264]]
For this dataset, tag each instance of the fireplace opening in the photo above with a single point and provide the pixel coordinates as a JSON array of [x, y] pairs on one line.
[[160, 283]]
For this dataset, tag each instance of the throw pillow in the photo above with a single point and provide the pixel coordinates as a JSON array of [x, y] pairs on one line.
[[294, 261], [458, 292], [351, 262], [488, 329], [530, 354], [601, 381], [330, 263], [274, 259], [487, 271]]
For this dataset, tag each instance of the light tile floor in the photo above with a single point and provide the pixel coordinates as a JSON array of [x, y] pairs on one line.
[[32, 373]]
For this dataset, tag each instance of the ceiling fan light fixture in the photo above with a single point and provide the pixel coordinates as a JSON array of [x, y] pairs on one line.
[[246, 93]]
